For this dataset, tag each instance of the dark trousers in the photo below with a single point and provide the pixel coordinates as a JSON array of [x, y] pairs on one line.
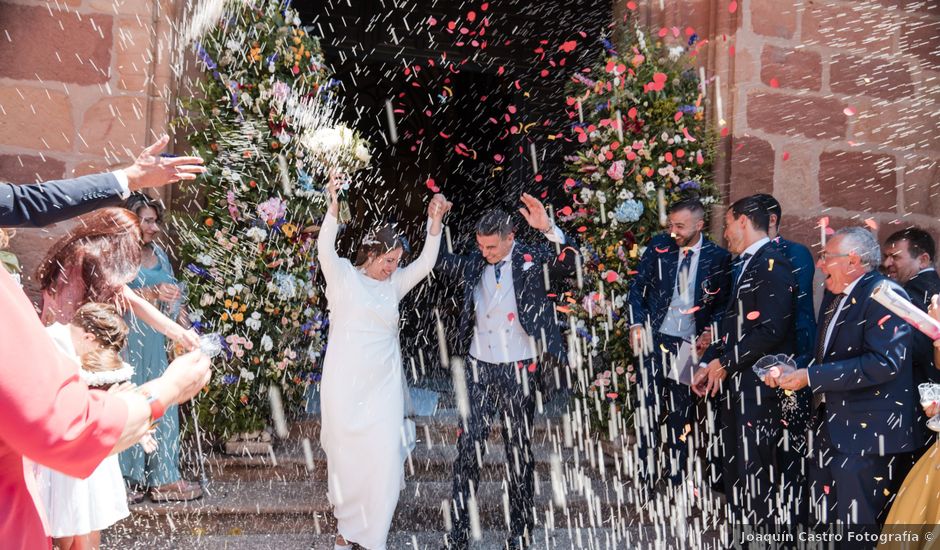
[[853, 489], [668, 411], [792, 453], [496, 394], [749, 436]]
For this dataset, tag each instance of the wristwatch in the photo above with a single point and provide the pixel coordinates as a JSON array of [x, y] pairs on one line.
[[551, 228], [156, 407]]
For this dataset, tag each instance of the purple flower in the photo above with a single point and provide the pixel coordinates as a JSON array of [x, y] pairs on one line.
[[691, 184], [229, 379]]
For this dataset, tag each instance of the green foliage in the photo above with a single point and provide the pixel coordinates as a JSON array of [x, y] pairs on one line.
[[248, 254]]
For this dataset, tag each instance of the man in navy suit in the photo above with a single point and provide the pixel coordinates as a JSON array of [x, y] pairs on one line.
[[41, 204], [680, 289], [509, 335], [758, 321], [796, 415], [861, 379]]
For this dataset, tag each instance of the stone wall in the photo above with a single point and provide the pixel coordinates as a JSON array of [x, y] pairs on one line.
[[831, 105], [84, 85]]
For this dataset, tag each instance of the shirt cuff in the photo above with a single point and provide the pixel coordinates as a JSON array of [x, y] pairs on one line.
[[121, 178], [555, 235]]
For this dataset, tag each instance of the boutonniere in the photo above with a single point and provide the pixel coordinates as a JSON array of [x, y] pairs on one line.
[[528, 262]]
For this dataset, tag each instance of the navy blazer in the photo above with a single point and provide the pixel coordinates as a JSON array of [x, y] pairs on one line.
[[758, 319], [652, 287], [804, 268], [921, 289], [536, 310], [40, 204], [866, 375]]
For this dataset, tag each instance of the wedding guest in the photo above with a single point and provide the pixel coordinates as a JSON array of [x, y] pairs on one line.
[[918, 500], [362, 391], [41, 204], [157, 473], [796, 415], [908, 259], [758, 321], [94, 262], [681, 287], [79, 509], [863, 403], [52, 418]]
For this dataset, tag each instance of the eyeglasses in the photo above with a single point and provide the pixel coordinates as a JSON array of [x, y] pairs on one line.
[[824, 256]]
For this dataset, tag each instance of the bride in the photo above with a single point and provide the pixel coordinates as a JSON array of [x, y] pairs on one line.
[[362, 400]]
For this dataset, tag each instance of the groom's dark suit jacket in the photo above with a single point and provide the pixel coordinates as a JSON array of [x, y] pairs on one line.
[[40, 204], [536, 309]]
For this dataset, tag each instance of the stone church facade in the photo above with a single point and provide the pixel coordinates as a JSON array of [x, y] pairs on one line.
[[831, 105]]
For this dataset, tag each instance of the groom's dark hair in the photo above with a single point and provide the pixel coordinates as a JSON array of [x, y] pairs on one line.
[[495, 222]]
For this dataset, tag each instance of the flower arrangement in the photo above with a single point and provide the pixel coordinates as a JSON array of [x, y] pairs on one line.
[[343, 148], [248, 253], [639, 123]]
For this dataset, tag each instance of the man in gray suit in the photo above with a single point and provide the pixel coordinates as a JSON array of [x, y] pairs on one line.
[[45, 203]]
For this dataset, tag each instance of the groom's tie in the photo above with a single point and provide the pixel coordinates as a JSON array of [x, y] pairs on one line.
[[496, 268]]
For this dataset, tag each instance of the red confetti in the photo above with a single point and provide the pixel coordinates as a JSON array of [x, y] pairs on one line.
[[849, 111], [432, 21], [532, 367], [678, 116], [774, 83], [582, 229], [566, 211], [432, 186], [527, 257], [662, 250], [752, 316], [883, 320], [511, 316], [826, 489], [471, 16], [500, 70], [568, 46], [631, 5], [612, 395], [611, 276], [786, 155], [691, 310], [733, 6], [725, 132]]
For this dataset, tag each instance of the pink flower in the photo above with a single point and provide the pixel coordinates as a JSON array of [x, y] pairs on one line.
[[616, 170], [272, 210]]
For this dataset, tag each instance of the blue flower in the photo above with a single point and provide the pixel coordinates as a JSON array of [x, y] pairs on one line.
[[229, 379], [198, 271], [693, 39], [628, 211], [691, 184]]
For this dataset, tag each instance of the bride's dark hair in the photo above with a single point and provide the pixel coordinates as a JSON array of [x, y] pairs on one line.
[[380, 241]]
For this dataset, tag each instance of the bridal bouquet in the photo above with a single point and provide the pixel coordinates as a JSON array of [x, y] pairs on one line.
[[342, 149]]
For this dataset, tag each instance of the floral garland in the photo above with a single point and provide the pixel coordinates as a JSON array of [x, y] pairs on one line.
[[643, 141], [249, 252]]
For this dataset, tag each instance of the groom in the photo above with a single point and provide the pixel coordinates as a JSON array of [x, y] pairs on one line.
[[509, 322]]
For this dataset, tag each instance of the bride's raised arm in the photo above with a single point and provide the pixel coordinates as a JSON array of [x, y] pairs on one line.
[[329, 260], [412, 274]]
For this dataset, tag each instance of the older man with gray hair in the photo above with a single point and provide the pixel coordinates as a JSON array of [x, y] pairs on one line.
[[861, 377]]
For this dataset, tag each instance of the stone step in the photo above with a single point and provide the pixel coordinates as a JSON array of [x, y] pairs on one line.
[[575, 538], [444, 427], [287, 462], [294, 507]]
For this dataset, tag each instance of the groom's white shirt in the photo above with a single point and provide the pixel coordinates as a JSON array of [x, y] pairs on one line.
[[498, 336]]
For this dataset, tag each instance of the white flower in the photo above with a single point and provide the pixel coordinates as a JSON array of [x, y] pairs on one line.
[[253, 324], [195, 315], [256, 234], [601, 197], [586, 194], [266, 343], [230, 291], [247, 374], [362, 153], [204, 259], [676, 52]]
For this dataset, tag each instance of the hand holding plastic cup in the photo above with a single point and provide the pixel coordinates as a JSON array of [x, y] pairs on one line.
[[774, 366], [929, 393]]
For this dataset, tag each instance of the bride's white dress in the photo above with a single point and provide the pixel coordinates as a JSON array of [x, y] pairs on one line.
[[362, 400]]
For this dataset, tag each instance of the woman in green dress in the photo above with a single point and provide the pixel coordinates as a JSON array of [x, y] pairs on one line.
[[158, 472]]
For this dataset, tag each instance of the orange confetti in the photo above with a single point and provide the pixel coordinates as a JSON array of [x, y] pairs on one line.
[[752, 316]]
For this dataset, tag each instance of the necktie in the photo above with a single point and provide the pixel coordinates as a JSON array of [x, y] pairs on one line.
[[738, 267], [824, 327], [684, 267], [499, 266]]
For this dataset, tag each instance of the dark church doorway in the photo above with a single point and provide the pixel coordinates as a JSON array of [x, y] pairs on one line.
[[476, 90]]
